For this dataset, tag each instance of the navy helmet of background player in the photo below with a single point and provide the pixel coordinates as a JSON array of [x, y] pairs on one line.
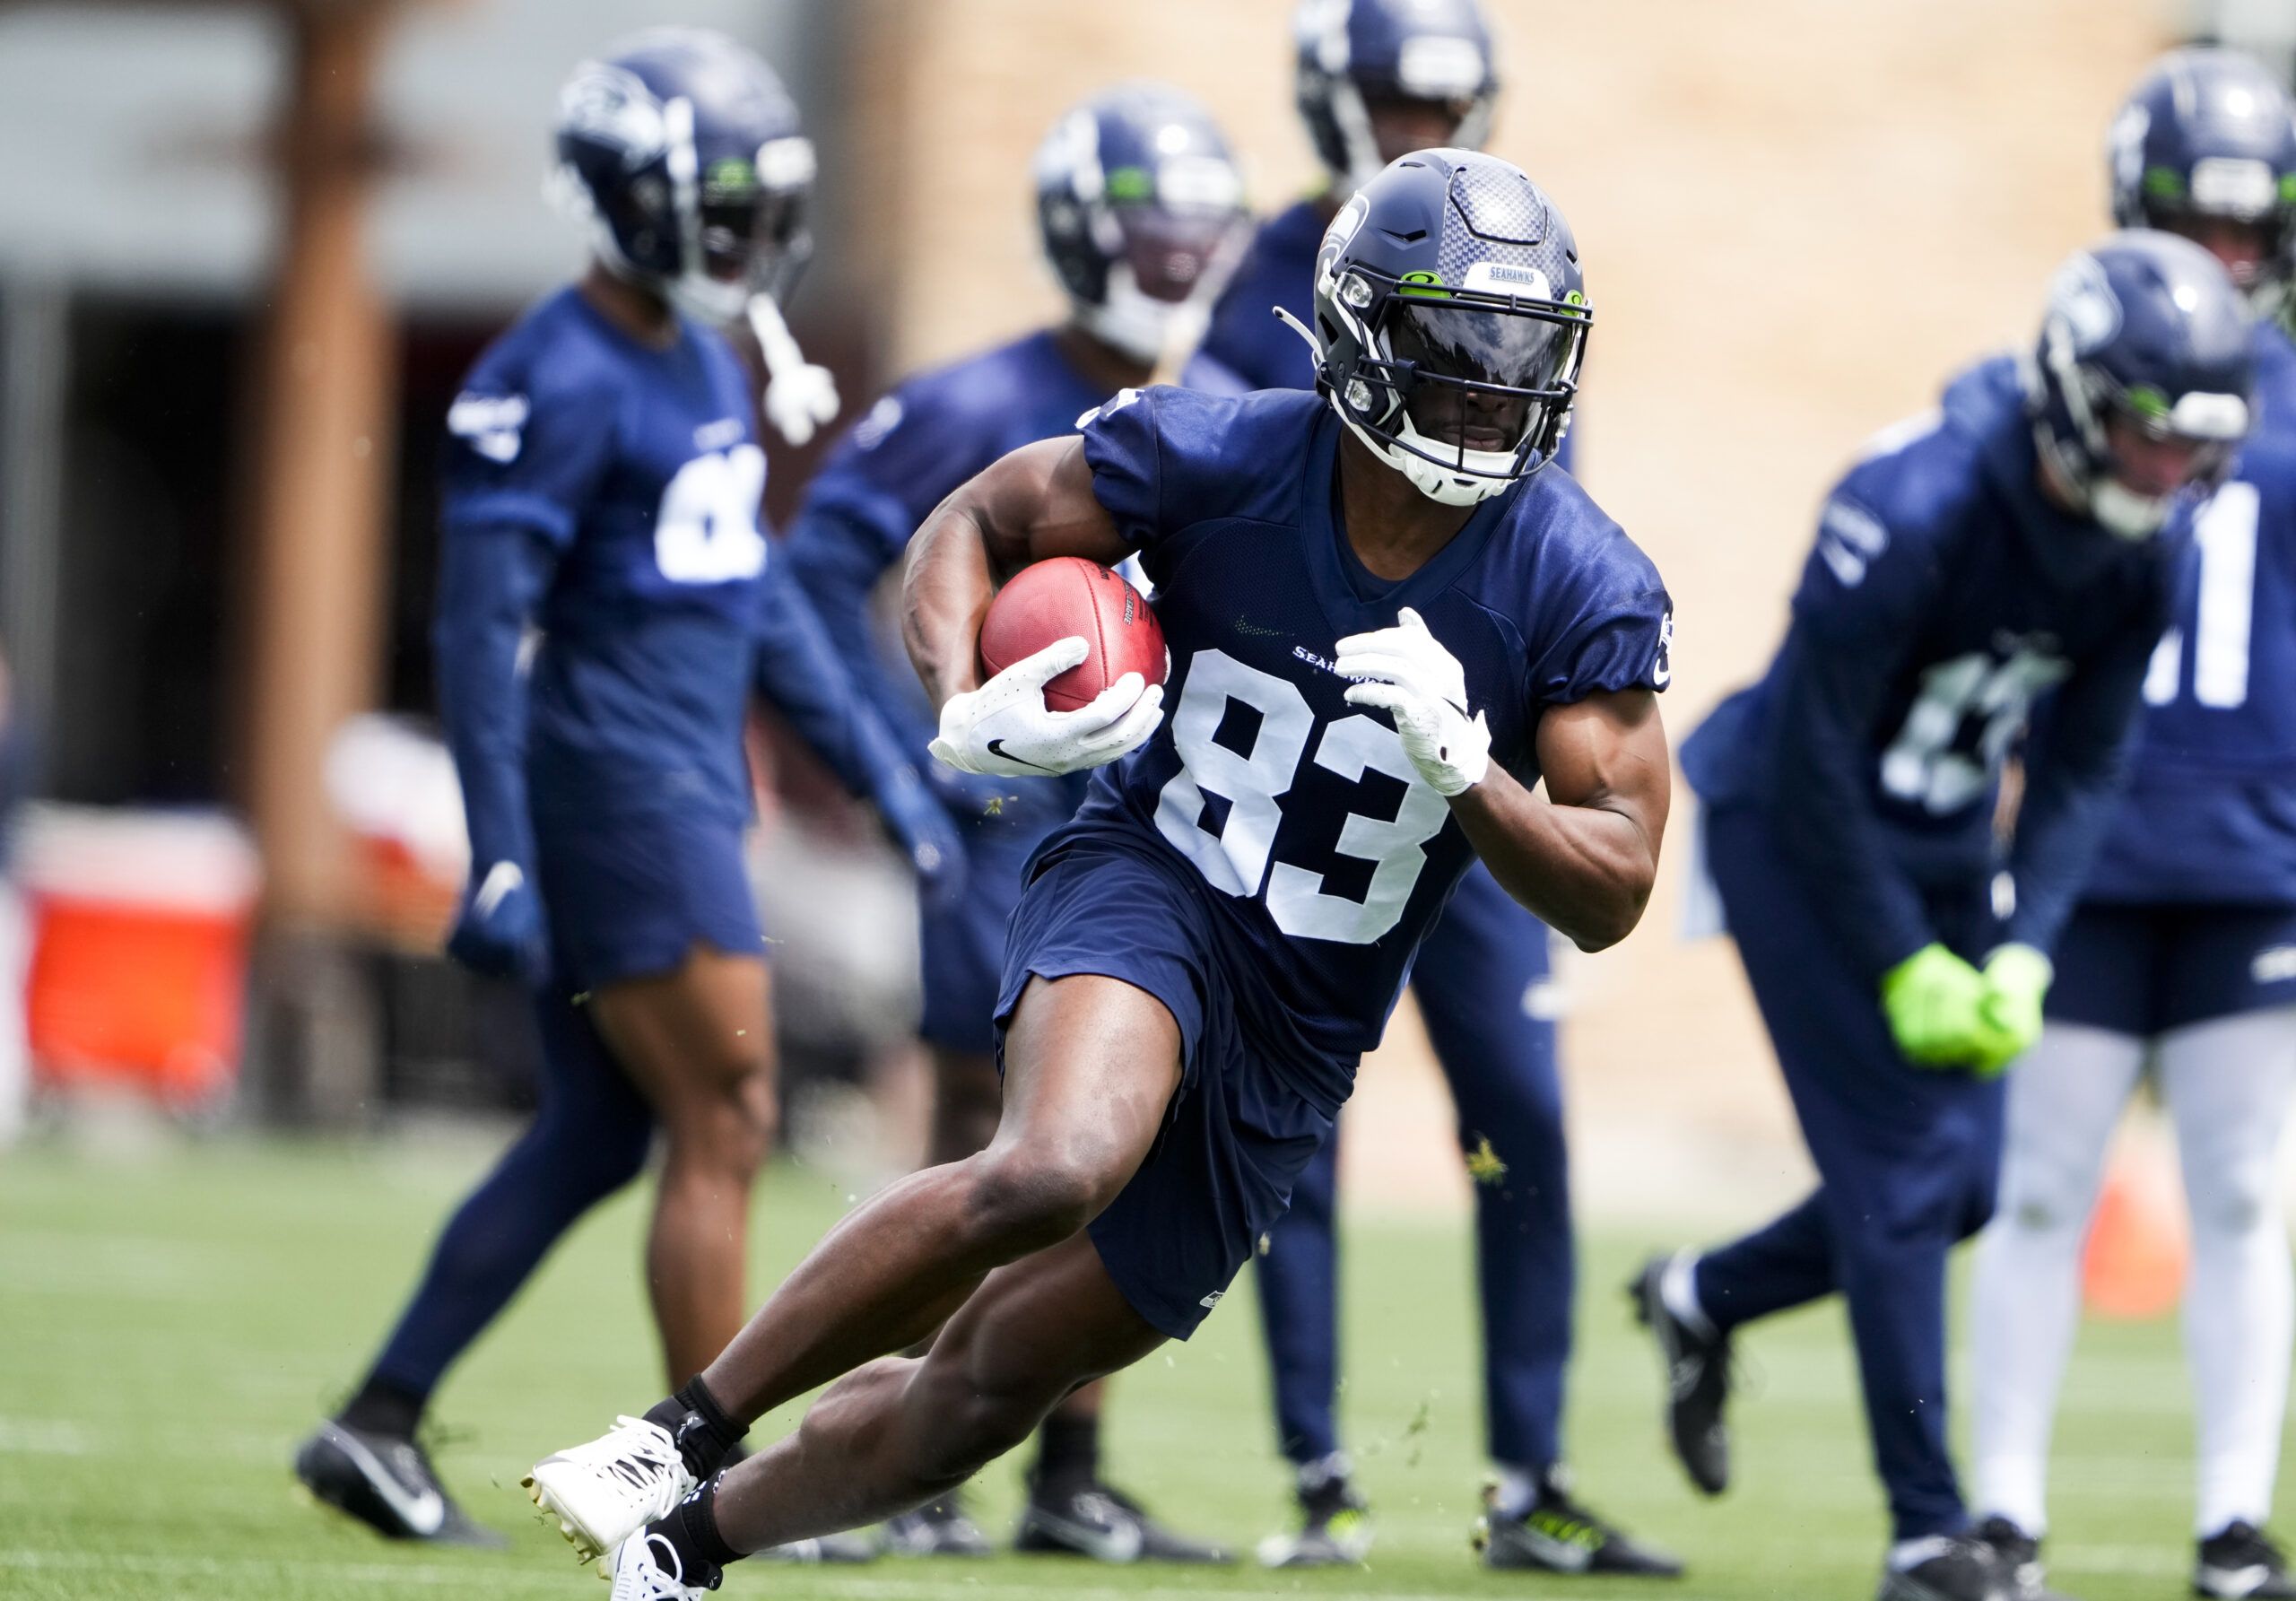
[[1200, 956], [685, 155], [1377, 79], [600, 487], [2029, 538], [688, 158], [1139, 206], [2141, 381], [2204, 147], [1358, 58], [1138, 202], [2172, 965]]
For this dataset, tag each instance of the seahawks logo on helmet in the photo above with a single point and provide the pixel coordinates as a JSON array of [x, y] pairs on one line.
[[612, 107], [2082, 305]]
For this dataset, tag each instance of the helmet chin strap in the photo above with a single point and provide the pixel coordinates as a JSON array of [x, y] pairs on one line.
[[1138, 325], [2123, 513]]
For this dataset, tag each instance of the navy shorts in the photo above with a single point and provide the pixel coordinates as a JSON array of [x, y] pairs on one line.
[[962, 945], [2147, 969], [1240, 1128], [629, 894]]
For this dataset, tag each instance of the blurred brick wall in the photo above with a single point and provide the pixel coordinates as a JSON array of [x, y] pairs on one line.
[[1796, 216]]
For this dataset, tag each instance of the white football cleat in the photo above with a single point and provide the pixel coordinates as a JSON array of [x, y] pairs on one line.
[[605, 1492], [646, 1569]]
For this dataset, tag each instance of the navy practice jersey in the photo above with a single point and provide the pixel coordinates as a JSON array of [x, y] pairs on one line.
[[639, 469], [1247, 346], [1327, 849], [1945, 596], [2211, 810], [883, 479]]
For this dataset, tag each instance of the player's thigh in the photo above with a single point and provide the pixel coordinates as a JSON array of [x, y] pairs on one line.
[[2066, 1098], [2228, 1084], [1039, 1327], [1090, 1066], [698, 1034]]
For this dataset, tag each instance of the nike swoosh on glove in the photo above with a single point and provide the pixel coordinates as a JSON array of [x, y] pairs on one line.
[[1405, 671], [499, 932], [1004, 728]]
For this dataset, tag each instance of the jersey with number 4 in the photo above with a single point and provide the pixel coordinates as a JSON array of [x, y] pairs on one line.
[[1326, 851], [2211, 811], [639, 466]]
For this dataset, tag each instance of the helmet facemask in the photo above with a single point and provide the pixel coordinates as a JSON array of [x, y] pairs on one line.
[[2074, 434], [1463, 391], [1167, 265]]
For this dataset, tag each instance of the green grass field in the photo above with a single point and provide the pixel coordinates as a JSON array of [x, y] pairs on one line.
[[169, 1328]]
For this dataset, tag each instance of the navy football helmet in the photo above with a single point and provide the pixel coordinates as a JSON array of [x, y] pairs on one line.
[[1354, 54], [1450, 322], [684, 151], [2207, 142], [2148, 328], [1140, 210]]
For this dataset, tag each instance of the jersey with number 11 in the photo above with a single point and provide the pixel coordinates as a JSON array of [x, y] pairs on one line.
[[1318, 839], [2211, 812], [638, 468]]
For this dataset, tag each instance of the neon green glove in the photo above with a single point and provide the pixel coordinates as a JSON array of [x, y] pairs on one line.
[[1933, 1000], [2016, 979]]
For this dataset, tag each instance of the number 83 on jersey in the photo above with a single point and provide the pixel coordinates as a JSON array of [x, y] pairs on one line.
[[1252, 756]]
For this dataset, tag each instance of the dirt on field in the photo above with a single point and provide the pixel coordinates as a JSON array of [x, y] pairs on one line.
[[1796, 216]]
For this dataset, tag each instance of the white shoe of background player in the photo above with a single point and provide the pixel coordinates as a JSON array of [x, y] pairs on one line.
[[605, 1492]]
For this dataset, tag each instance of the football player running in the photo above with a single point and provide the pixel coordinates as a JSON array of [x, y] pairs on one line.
[[1387, 625], [2026, 540], [601, 486], [1378, 78], [2182, 953], [1139, 211]]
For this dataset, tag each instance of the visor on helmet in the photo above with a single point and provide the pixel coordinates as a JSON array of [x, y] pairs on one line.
[[1475, 376]]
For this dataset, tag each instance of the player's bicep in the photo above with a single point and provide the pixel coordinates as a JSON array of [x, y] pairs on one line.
[[1608, 753], [1037, 503]]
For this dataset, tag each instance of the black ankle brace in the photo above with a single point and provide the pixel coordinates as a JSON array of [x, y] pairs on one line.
[[703, 1431]]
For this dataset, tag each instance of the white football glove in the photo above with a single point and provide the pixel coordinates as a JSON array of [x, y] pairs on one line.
[[800, 395], [1406, 672], [1004, 728]]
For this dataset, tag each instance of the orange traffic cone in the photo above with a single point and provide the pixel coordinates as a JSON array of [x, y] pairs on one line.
[[2134, 1265]]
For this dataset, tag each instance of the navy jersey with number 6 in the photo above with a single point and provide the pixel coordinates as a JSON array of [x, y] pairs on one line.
[[1329, 855], [637, 467], [1943, 599]]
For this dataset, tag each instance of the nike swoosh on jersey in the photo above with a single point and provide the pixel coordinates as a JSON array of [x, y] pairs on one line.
[[503, 880]]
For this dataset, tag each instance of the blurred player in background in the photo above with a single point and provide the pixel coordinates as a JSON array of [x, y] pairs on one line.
[[15, 1063], [2028, 539], [1139, 208], [1378, 78], [602, 487], [1387, 625], [2182, 952]]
